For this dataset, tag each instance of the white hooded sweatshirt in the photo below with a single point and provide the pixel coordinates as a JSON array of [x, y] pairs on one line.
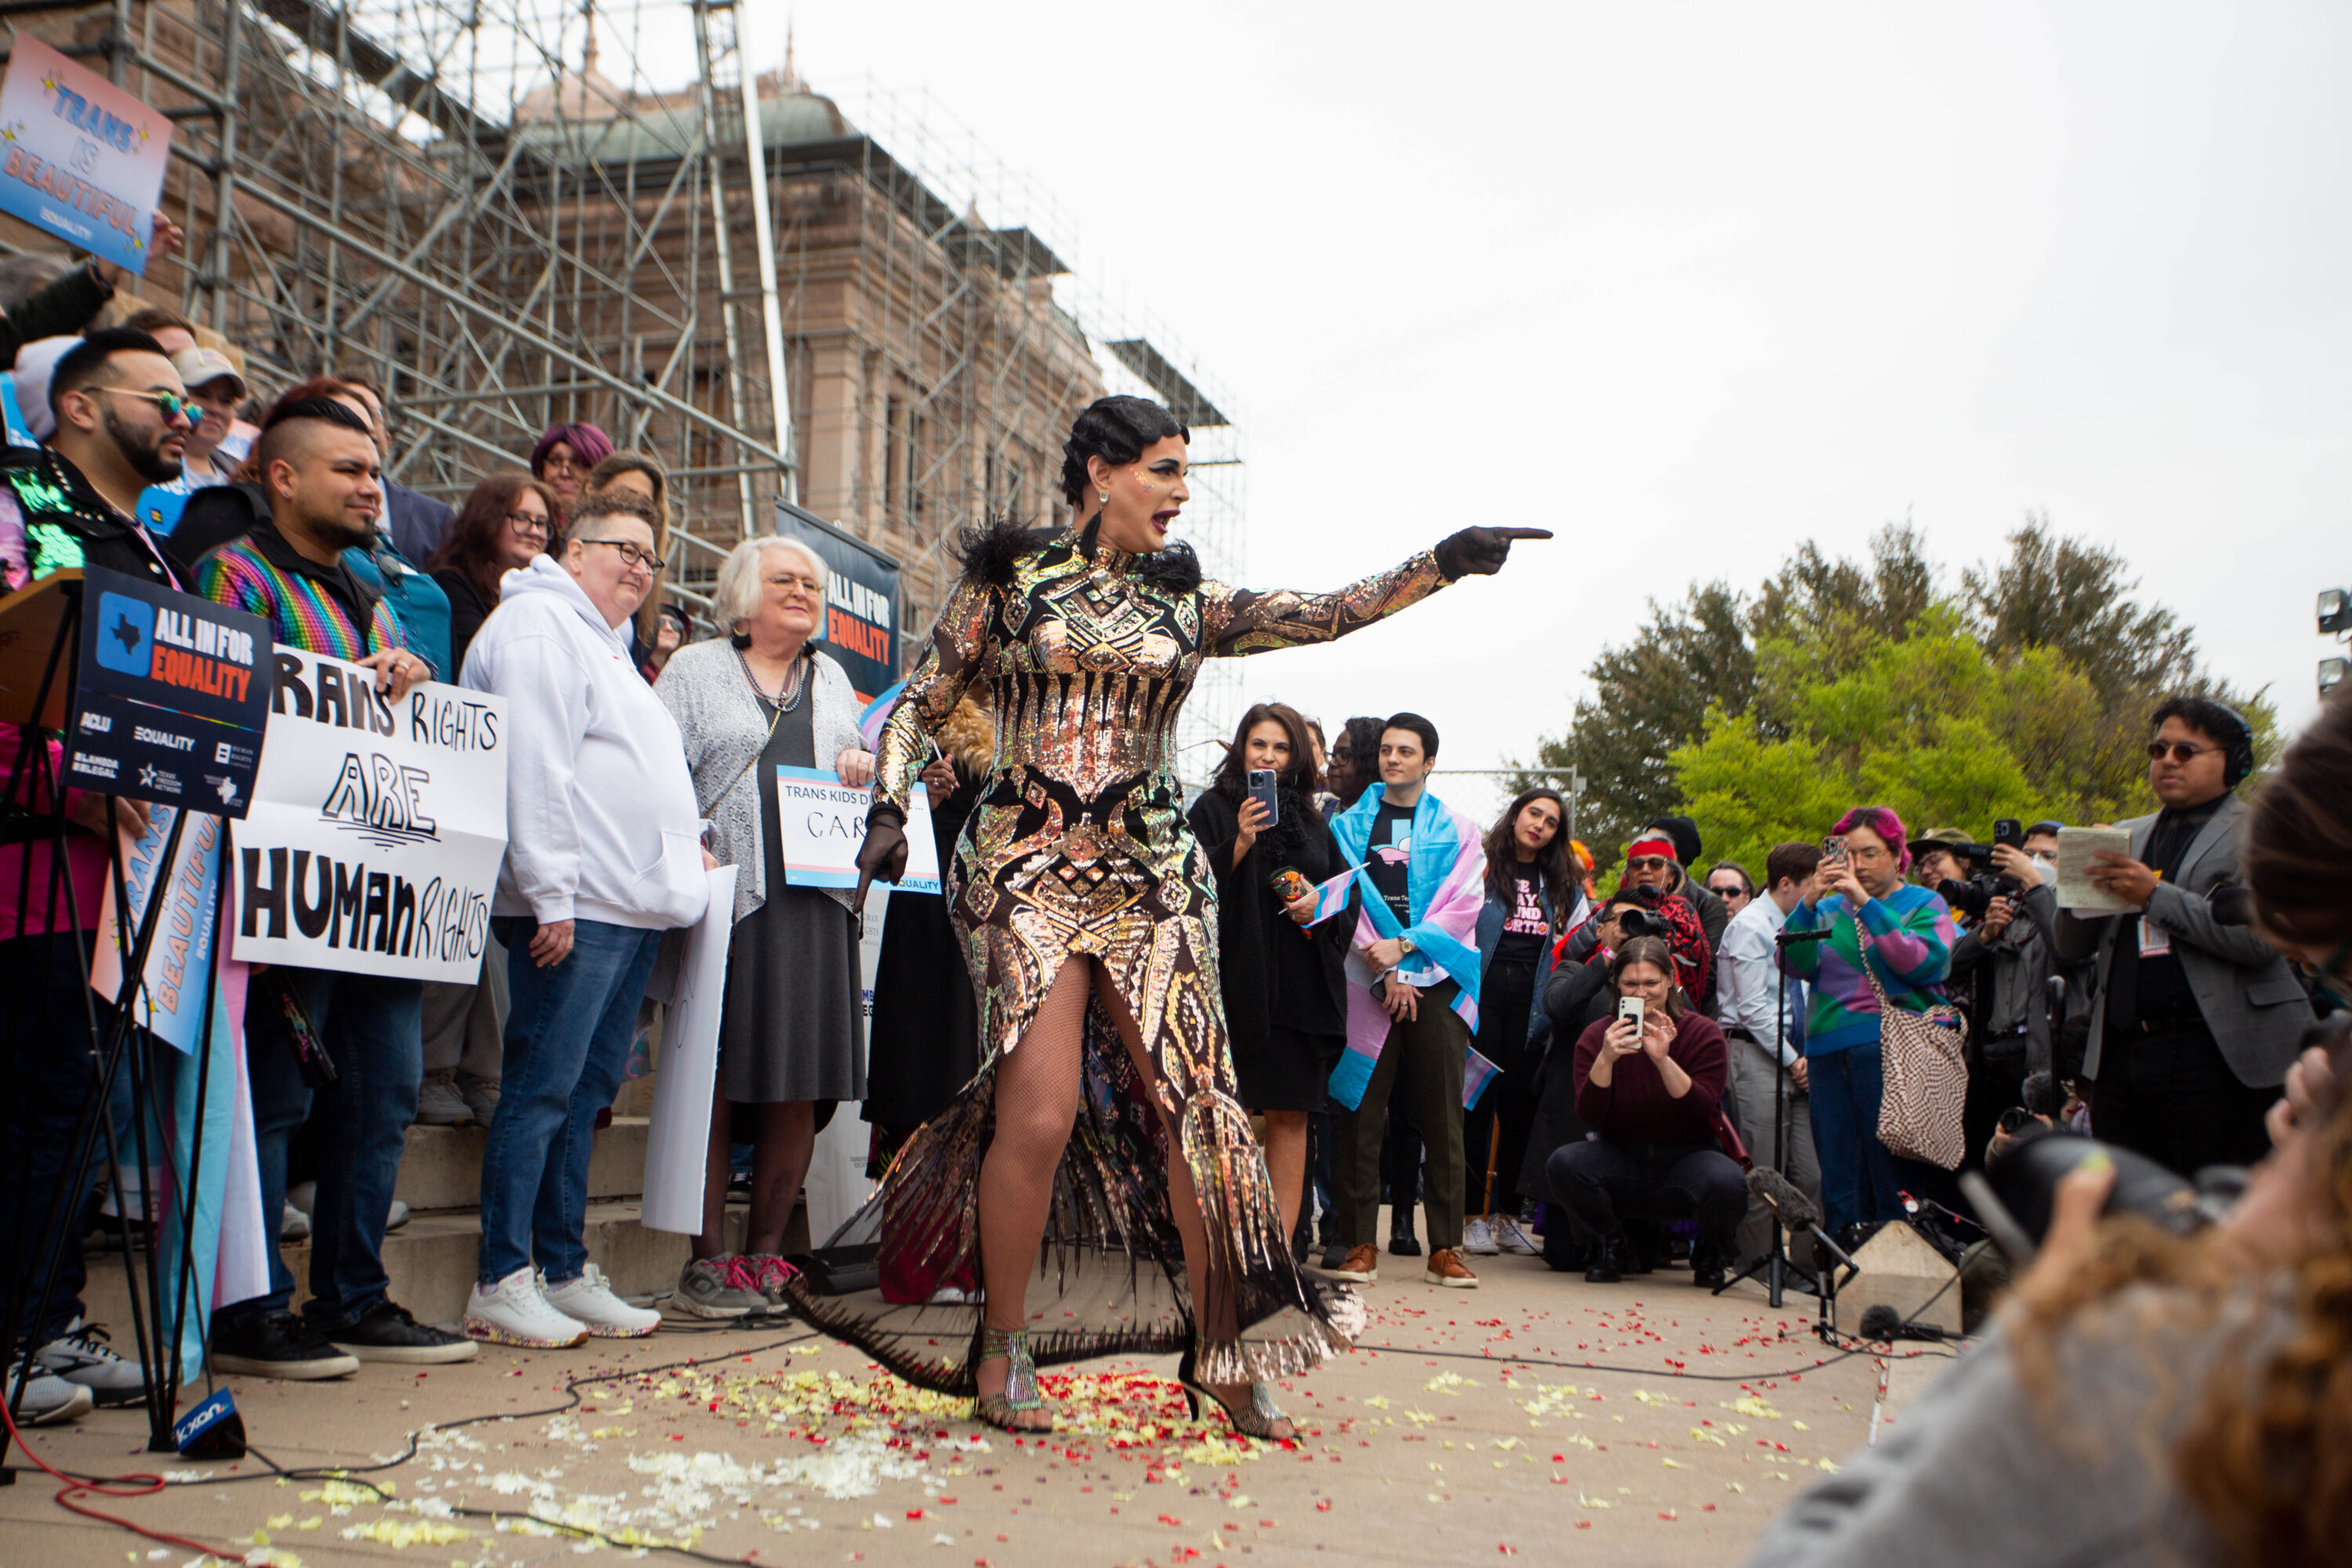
[[601, 816]]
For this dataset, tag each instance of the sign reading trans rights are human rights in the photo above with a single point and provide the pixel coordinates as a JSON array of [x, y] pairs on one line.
[[373, 842], [85, 159]]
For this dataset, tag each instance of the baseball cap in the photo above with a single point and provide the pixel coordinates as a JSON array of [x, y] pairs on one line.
[[199, 365]]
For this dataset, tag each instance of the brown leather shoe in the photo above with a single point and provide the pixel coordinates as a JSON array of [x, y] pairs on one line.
[[1446, 1267], [1362, 1265]]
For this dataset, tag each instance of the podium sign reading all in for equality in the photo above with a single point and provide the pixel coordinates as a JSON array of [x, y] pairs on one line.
[[171, 696], [85, 159]]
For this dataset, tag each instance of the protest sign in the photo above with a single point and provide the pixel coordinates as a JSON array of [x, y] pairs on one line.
[[170, 695], [861, 600], [85, 158], [171, 1001], [823, 822], [677, 1145], [373, 842]]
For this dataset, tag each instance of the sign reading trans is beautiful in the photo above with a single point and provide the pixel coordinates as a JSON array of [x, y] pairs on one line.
[[373, 842], [85, 159]]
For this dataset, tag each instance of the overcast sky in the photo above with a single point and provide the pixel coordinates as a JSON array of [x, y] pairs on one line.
[[1692, 284]]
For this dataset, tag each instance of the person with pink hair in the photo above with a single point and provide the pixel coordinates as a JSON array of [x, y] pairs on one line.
[[1860, 884], [562, 458]]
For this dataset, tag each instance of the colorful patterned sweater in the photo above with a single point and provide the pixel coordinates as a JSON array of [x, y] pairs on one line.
[[1912, 935], [302, 610]]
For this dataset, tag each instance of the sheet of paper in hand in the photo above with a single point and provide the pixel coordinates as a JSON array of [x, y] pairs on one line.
[[377, 827], [824, 822], [2075, 889]]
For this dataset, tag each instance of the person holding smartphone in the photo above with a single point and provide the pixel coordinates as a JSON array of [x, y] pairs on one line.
[[1649, 1083], [1859, 883], [1283, 979]]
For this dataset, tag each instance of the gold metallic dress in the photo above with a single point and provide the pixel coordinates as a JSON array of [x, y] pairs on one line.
[[1078, 847]]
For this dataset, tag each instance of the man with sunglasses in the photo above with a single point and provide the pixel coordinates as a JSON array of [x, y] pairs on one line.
[[2195, 1024], [70, 504]]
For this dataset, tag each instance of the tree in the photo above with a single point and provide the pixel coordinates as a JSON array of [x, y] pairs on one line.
[[1647, 698], [1854, 680], [1932, 724]]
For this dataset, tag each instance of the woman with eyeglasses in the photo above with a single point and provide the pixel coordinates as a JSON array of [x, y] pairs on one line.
[[508, 520], [791, 1035], [1860, 884], [562, 459]]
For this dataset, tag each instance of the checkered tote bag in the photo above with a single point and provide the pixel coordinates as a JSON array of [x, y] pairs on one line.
[[1923, 1057]]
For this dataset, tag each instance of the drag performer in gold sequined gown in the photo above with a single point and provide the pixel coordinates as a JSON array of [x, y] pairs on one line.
[[1078, 850]]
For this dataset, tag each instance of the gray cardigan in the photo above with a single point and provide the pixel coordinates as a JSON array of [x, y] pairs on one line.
[[704, 690]]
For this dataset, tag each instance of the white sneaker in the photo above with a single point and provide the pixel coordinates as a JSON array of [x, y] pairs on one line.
[[1476, 1239], [303, 1195], [590, 1299], [397, 1218], [1511, 1238], [438, 1104], [293, 1224], [48, 1397], [81, 1355], [514, 1312]]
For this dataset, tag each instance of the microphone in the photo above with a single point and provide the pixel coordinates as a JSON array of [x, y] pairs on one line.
[[1784, 1197], [1883, 1322], [1791, 937]]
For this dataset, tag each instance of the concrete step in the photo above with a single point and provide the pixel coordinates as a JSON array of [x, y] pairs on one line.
[[432, 1261], [442, 1168]]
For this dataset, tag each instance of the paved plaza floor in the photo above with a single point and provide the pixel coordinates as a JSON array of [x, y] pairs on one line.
[[1449, 1436]]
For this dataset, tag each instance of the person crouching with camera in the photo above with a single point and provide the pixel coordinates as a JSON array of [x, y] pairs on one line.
[[1649, 1085]]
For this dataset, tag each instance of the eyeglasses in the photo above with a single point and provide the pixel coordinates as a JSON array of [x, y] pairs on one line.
[[170, 405], [563, 466], [633, 556], [1647, 863], [2181, 751], [1863, 852], [524, 523]]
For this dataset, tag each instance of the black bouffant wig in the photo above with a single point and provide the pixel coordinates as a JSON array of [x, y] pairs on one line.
[[1116, 430]]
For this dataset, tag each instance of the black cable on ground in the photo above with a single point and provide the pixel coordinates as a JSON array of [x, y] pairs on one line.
[[1666, 1375]]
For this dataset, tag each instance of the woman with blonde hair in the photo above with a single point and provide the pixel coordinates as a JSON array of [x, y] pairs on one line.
[[791, 1037]]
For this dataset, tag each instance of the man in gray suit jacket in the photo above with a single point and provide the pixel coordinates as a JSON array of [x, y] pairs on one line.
[[2195, 1023]]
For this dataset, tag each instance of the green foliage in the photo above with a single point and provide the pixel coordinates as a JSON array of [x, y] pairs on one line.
[[2024, 694]]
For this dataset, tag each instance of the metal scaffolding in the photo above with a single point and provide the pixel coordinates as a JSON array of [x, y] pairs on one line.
[[519, 214]]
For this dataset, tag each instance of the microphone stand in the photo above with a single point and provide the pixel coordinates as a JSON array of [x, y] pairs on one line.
[[1774, 1266]]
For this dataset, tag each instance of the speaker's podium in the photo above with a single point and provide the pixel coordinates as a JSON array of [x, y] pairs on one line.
[[125, 691]]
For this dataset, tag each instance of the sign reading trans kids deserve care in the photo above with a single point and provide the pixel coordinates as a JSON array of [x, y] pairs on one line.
[[823, 822], [377, 827], [171, 694], [85, 159]]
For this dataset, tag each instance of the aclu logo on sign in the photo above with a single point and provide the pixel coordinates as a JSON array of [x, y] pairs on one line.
[[126, 634], [380, 801]]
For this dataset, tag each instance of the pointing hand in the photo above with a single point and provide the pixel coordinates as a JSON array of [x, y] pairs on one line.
[[1480, 552]]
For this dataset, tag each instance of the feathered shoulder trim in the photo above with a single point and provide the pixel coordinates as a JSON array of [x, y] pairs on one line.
[[992, 551]]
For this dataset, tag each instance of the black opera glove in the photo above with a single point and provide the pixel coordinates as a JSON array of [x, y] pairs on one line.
[[1480, 552], [883, 856]]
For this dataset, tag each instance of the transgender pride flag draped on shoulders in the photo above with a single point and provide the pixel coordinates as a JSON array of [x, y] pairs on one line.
[[1445, 882]]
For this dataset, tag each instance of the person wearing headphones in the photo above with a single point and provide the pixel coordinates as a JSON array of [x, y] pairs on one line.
[[2194, 1023]]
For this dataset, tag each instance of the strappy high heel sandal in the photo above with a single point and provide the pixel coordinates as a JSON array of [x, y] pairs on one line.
[[1021, 1394], [1258, 1421]]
